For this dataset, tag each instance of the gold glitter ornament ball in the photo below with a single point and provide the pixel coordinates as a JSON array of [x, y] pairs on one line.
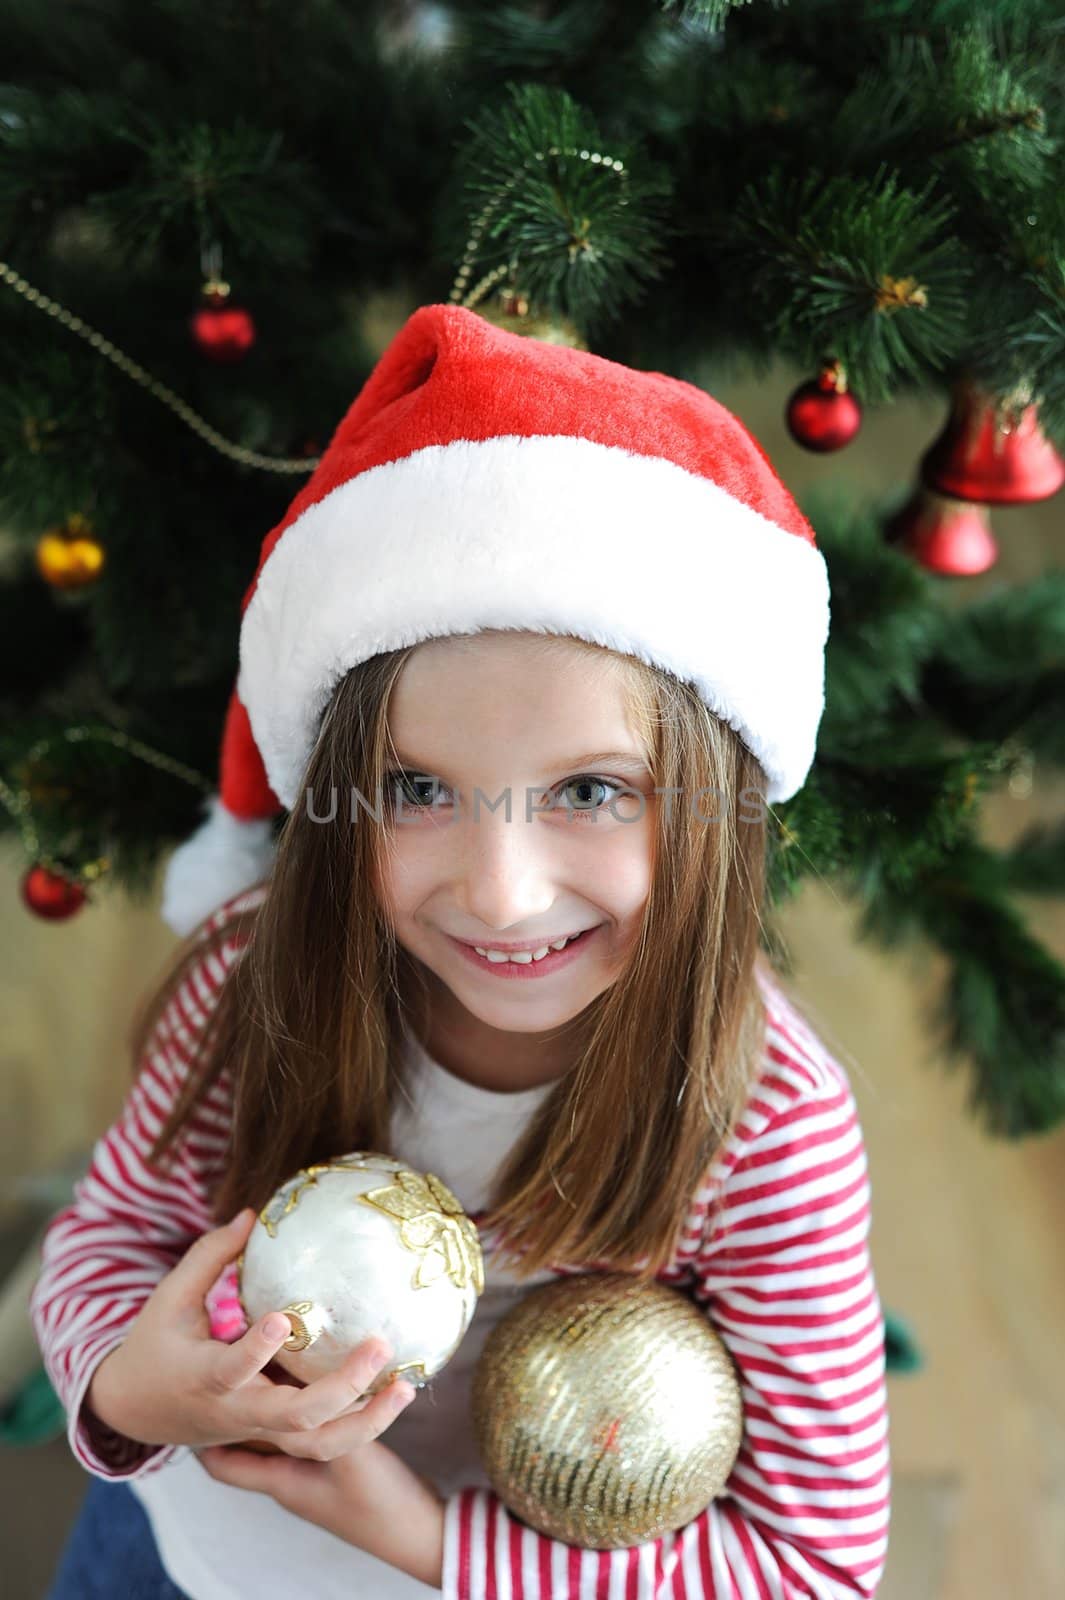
[[606, 1411]]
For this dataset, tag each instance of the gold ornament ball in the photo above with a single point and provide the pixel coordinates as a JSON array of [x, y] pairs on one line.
[[606, 1411], [68, 557]]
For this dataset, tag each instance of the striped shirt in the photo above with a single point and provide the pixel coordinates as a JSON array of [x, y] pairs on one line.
[[775, 1249]]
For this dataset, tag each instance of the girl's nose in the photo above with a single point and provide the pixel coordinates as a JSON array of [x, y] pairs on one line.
[[505, 874]]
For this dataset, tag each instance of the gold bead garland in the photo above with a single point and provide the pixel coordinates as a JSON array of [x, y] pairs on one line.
[[477, 293], [132, 369], [17, 801], [211, 436]]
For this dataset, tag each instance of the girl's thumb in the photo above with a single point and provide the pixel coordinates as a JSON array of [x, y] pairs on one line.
[[239, 1221], [207, 1255]]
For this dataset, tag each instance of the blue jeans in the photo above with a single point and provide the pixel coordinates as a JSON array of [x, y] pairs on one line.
[[111, 1551]]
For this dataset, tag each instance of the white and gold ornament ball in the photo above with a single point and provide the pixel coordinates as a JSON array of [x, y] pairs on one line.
[[360, 1247], [606, 1411]]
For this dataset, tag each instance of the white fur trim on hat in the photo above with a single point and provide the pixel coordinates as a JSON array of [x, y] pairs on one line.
[[225, 855], [552, 534]]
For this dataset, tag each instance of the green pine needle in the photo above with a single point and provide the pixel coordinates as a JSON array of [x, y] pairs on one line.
[[584, 237]]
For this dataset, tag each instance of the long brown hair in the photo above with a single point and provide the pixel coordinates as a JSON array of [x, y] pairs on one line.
[[308, 1021]]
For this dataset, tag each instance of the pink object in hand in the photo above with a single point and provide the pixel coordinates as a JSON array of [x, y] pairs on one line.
[[224, 1313]]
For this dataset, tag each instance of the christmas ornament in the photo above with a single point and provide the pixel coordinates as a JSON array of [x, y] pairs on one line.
[[513, 311], [51, 896], [606, 1411], [357, 1247], [225, 333], [68, 557], [950, 537], [35, 783], [993, 450], [823, 414], [35, 433]]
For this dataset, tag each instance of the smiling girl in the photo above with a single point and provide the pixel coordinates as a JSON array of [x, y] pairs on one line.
[[525, 663]]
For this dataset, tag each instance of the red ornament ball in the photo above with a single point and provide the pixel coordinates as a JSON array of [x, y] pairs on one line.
[[224, 333], [50, 896], [823, 416]]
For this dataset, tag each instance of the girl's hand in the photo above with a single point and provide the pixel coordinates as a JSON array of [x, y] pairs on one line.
[[169, 1382]]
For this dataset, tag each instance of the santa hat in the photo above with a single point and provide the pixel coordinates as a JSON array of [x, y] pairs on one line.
[[485, 479]]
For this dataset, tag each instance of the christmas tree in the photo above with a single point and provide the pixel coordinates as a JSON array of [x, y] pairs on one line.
[[212, 219]]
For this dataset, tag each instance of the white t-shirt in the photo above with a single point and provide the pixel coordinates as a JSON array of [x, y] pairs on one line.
[[218, 1542]]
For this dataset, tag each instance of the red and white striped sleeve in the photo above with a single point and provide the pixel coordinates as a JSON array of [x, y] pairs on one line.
[[784, 1274], [128, 1223]]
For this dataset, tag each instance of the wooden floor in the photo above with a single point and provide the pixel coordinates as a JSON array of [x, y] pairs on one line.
[[967, 1245], [967, 1234]]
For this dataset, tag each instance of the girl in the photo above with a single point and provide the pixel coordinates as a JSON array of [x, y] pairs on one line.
[[524, 662]]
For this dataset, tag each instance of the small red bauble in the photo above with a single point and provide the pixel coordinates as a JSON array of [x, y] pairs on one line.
[[223, 332], [823, 414], [51, 896]]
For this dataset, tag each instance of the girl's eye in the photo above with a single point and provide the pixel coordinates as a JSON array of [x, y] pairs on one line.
[[409, 788], [585, 803], [419, 792]]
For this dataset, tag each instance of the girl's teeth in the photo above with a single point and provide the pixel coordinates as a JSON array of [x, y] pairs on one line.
[[523, 957]]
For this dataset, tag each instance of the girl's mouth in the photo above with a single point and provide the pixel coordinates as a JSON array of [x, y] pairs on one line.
[[554, 960]]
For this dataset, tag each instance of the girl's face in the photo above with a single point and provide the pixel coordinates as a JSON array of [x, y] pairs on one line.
[[479, 722]]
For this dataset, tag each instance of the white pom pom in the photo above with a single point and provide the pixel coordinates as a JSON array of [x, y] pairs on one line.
[[224, 856]]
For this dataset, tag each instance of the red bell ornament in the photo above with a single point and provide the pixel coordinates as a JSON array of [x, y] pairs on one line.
[[951, 538], [823, 414], [993, 450]]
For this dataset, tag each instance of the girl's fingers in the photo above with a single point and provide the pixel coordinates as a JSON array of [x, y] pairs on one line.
[[188, 1282], [280, 1476], [238, 1363], [346, 1433], [289, 1410]]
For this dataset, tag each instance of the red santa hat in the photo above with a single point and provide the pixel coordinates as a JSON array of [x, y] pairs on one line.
[[484, 479]]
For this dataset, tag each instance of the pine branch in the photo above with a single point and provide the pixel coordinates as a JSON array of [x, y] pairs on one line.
[[999, 671], [1036, 863], [884, 181], [889, 810], [215, 185], [712, 14], [570, 39], [886, 622], [863, 269], [1026, 339], [584, 235], [1002, 1010], [92, 797]]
